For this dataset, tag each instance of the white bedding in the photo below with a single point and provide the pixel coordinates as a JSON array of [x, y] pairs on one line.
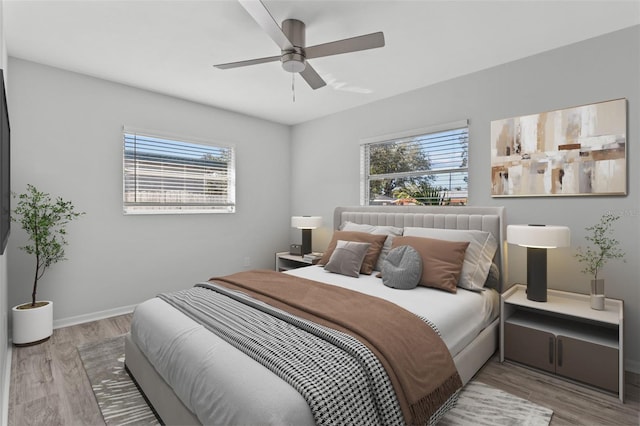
[[190, 358], [459, 317], [215, 381]]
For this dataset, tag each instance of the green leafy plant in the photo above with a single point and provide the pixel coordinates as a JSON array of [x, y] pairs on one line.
[[604, 246], [422, 194], [45, 221]]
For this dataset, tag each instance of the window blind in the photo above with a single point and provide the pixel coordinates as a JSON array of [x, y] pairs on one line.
[[418, 167], [164, 175]]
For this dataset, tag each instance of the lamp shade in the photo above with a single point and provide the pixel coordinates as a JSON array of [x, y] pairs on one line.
[[306, 222], [539, 236]]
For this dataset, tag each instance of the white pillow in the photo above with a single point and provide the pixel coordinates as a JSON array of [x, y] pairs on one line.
[[390, 231], [478, 257]]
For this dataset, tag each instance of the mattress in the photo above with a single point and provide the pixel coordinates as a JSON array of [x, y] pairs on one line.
[[458, 317]]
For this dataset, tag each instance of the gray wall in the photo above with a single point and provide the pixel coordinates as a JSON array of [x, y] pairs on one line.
[[325, 153], [67, 140]]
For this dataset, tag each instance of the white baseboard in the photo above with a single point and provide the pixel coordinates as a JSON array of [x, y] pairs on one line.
[[94, 316]]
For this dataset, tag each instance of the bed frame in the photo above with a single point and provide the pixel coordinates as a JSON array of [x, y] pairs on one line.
[[492, 219]]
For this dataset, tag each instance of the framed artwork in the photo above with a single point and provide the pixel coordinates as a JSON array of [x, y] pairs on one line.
[[574, 151]]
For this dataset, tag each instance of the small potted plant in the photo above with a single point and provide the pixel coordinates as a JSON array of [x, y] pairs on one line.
[[604, 247], [45, 222]]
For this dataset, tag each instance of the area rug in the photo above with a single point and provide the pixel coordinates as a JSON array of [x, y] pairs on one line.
[[121, 402], [480, 404], [119, 398]]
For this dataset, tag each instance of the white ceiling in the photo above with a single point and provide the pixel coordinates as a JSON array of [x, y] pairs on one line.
[[170, 46]]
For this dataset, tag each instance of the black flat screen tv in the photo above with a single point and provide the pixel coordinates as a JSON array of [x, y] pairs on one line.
[[5, 168]]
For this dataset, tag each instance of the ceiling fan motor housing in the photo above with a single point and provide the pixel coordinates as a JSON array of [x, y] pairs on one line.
[[294, 60]]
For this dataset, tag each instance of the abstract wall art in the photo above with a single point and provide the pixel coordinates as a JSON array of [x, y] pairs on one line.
[[573, 151]]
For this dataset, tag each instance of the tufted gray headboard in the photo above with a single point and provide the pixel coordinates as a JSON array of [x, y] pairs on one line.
[[490, 219]]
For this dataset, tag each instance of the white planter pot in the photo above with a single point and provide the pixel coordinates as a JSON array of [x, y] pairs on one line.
[[597, 294], [33, 325]]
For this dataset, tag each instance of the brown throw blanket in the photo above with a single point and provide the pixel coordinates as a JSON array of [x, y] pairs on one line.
[[416, 359]]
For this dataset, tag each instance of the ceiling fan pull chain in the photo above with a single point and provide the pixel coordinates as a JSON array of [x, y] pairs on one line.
[[293, 85]]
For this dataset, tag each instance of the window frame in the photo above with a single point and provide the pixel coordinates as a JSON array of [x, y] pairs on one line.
[[365, 176], [154, 208]]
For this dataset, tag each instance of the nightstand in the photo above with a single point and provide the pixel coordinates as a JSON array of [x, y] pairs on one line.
[[286, 261], [565, 337]]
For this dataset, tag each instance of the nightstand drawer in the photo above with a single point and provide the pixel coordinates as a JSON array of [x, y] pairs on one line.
[[588, 362], [529, 346]]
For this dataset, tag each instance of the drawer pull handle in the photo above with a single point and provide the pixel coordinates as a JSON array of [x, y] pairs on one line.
[[550, 350], [559, 353]]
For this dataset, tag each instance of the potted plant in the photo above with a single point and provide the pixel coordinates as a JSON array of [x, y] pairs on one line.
[[45, 222], [604, 247]]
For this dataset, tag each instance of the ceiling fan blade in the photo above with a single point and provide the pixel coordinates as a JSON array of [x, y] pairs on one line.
[[261, 15], [312, 78], [354, 44], [247, 63]]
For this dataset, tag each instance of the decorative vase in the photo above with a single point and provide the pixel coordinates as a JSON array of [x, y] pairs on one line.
[[597, 294], [32, 325]]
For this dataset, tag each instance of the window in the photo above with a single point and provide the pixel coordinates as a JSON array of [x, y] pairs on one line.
[[418, 167], [163, 175]]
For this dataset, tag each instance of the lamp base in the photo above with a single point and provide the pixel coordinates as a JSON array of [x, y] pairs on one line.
[[537, 274], [306, 241]]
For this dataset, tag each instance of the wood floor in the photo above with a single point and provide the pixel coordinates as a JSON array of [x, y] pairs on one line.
[[49, 385]]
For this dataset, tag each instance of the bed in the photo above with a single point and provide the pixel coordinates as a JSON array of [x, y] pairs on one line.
[[184, 368]]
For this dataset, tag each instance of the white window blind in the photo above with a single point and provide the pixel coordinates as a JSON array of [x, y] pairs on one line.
[[418, 167], [163, 175]]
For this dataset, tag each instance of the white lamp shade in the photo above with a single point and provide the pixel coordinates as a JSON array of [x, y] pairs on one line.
[[539, 236], [306, 222]]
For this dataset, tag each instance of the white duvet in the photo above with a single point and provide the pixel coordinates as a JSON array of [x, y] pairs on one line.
[[459, 317], [222, 385]]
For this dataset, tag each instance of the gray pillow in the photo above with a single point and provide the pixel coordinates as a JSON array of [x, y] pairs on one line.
[[347, 258], [402, 268], [493, 278]]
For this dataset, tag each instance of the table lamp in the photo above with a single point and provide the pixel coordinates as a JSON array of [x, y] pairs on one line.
[[537, 239], [306, 223]]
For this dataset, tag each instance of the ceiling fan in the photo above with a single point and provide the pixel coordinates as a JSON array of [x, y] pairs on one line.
[[291, 40]]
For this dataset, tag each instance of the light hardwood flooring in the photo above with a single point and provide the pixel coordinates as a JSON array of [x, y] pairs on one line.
[[49, 385]]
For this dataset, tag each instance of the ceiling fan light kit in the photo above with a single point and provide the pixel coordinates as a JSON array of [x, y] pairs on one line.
[[293, 62], [292, 42]]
